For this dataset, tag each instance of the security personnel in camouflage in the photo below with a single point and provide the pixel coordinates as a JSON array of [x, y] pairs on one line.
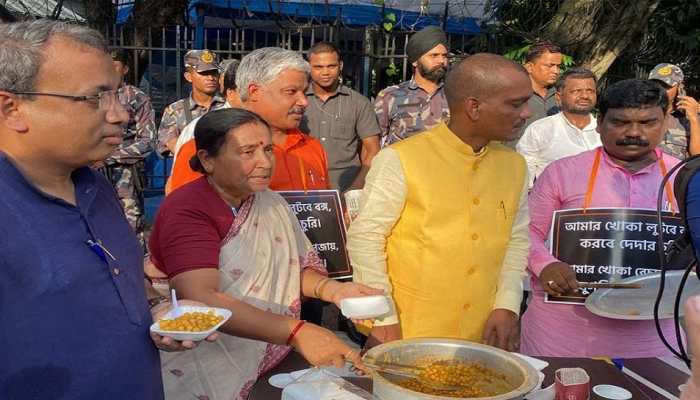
[[419, 104], [202, 71], [682, 138], [124, 168]]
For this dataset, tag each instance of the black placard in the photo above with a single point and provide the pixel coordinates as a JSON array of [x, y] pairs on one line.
[[605, 243], [320, 215]]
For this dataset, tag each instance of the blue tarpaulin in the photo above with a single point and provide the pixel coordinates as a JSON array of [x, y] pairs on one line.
[[462, 19]]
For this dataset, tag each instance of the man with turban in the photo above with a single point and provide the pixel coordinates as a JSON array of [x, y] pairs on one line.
[[418, 104]]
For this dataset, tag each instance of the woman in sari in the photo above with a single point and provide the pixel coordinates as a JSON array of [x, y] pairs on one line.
[[227, 241]]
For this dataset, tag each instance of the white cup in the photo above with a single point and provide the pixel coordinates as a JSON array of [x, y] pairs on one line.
[[352, 202]]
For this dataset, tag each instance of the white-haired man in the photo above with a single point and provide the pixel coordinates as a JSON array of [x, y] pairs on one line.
[[271, 82]]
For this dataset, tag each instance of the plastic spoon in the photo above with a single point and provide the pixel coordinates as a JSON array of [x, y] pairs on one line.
[[176, 309]]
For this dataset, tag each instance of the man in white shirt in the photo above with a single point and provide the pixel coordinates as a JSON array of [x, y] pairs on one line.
[[567, 133]]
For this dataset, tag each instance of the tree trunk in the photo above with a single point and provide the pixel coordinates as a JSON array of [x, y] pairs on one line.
[[158, 13], [595, 32], [153, 15], [100, 14]]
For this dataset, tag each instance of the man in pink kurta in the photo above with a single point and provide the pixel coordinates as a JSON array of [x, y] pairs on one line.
[[629, 172]]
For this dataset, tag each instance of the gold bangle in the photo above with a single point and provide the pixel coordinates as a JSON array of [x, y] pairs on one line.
[[318, 282], [321, 286], [318, 285]]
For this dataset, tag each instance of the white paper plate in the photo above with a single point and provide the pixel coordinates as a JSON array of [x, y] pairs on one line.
[[364, 307], [194, 336]]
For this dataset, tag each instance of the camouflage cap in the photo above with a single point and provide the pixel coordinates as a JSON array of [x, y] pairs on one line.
[[202, 60], [667, 73]]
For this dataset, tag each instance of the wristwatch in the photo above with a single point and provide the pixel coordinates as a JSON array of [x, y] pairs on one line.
[[152, 302]]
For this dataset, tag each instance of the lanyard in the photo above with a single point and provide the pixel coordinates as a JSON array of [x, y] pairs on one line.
[[594, 174]]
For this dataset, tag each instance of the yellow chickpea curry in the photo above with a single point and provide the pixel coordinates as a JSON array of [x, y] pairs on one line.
[[191, 322], [462, 379]]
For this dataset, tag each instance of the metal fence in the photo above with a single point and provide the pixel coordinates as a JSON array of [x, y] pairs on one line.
[[156, 64], [367, 52]]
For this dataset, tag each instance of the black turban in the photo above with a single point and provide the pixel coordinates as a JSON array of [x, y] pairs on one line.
[[424, 40]]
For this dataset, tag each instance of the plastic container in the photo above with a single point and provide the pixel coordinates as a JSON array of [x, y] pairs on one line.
[[352, 203], [612, 392], [318, 384], [366, 307], [572, 384], [194, 336]]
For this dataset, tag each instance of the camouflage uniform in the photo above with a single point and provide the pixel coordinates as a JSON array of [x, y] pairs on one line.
[[175, 118], [124, 167], [178, 114], [677, 137], [406, 109]]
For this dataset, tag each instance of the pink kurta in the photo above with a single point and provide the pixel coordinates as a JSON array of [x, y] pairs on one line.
[[562, 330]]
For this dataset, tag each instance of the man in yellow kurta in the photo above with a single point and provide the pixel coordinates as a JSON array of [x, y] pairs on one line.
[[443, 223]]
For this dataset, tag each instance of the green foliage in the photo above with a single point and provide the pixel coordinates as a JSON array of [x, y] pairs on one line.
[[675, 32], [566, 62], [389, 22], [518, 55], [391, 70], [672, 34]]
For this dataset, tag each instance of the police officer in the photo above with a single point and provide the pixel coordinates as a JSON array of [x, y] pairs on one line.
[[124, 168], [682, 138], [418, 104], [202, 71]]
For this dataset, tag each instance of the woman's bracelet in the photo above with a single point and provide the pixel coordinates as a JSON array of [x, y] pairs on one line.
[[319, 287], [295, 331]]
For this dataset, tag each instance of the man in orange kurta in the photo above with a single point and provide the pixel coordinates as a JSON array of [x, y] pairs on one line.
[[271, 82]]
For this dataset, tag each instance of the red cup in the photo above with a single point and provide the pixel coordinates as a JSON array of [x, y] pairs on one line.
[[572, 384]]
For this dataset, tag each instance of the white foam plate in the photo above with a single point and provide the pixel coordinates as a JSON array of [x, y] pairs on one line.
[[612, 392], [282, 380], [194, 336], [364, 307]]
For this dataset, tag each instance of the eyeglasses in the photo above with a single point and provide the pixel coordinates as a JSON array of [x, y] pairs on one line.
[[104, 100]]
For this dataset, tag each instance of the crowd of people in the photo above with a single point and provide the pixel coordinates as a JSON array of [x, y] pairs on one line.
[[461, 169]]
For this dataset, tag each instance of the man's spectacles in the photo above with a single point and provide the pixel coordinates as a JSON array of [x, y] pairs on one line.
[[104, 100]]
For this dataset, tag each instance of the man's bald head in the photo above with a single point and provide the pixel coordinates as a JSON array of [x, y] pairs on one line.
[[487, 95], [478, 76]]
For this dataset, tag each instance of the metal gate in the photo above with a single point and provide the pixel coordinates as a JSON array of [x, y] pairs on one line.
[[373, 58]]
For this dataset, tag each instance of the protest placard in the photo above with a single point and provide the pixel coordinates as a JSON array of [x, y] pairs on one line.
[[609, 244], [320, 215]]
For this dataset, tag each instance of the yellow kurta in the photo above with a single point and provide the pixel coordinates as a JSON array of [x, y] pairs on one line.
[[451, 255]]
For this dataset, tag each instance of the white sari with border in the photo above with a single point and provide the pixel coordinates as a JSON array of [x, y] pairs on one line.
[[260, 262]]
